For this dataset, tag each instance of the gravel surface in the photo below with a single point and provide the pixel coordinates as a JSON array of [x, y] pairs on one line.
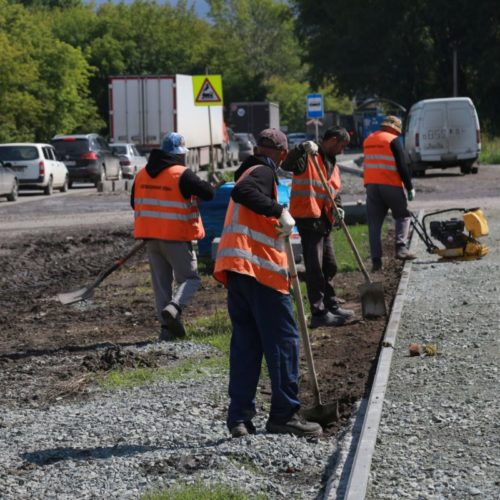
[[439, 432]]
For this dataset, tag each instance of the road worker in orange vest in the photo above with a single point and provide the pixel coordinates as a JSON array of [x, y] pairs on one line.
[[252, 263], [164, 198], [315, 216], [386, 177]]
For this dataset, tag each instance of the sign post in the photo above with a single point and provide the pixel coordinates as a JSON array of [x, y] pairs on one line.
[[207, 91], [315, 110]]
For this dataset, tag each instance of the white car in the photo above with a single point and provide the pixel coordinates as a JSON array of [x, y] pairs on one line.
[[8, 183], [131, 160], [35, 166]]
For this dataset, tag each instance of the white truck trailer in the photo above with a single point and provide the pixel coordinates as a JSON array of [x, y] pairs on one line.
[[142, 109]]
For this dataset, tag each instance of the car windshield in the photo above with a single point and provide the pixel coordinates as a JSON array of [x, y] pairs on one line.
[[18, 153], [70, 146], [120, 150]]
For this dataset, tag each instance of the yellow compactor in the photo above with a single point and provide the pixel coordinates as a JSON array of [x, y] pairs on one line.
[[459, 236]]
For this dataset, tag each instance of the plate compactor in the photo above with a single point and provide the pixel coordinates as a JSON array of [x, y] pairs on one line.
[[457, 236]]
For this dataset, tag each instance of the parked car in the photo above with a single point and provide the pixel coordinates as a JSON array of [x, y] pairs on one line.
[[131, 160], [295, 138], [8, 183], [442, 133], [246, 143], [88, 158], [35, 166]]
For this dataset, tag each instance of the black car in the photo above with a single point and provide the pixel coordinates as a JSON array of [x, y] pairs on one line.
[[88, 158]]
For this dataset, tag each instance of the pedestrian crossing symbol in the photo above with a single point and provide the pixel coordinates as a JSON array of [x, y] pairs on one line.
[[207, 90]]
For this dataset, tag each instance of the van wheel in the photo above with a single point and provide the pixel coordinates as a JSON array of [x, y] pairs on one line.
[[474, 170], [49, 187], [12, 196], [465, 170]]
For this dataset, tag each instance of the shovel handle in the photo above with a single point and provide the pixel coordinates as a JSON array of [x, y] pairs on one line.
[[343, 225], [302, 320]]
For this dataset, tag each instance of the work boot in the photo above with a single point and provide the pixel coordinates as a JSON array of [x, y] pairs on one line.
[[340, 311], [376, 265], [172, 317], [296, 425], [165, 335], [242, 429], [326, 319], [403, 253]]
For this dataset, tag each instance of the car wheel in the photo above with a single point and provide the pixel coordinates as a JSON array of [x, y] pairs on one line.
[[49, 188], [120, 174], [12, 196], [70, 184], [101, 178], [64, 187]]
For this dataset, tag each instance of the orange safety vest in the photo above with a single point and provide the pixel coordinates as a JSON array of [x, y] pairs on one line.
[[161, 211], [250, 245], [380, 164], [308, 197]]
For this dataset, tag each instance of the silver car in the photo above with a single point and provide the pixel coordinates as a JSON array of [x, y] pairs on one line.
[[8, 183], [131, 160]]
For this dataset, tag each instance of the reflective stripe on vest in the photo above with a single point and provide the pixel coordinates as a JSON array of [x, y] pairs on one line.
[[250, 245], [308, 197], [161, 211], [379, 162]]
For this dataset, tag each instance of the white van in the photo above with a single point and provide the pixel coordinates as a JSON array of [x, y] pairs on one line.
[[442, 133]]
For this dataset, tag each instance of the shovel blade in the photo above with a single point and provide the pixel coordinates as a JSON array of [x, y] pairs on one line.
[[372, 300], [83, 293], [322, 414]]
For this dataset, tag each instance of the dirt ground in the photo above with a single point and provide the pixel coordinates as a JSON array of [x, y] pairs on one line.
[[35, 326]]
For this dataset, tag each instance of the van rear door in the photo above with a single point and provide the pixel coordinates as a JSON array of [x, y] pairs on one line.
[[462, 134], [434, 134]]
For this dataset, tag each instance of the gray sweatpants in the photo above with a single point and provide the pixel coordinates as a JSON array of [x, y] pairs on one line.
[[379, 199], [169, 260]]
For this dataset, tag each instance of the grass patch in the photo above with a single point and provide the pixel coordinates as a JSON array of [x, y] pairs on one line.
[[346, 261], [490, 150], [199, 491]]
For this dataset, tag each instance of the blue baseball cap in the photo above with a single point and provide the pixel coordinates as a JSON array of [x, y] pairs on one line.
[[174, 143]]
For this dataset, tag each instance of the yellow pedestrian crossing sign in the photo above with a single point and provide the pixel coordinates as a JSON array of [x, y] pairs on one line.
[[207, 90]]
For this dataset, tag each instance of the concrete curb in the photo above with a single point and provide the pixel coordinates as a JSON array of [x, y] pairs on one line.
[[359, 469], [115, 186]]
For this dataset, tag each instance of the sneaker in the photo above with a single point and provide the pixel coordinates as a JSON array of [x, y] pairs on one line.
[[327, 319], [376, 265], [340, 311], [242, 429], [403, 253], [296, 425], [172, 317]]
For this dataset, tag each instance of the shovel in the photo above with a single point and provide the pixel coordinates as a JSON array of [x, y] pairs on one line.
[[372, 294], [320, 413], [87, 291]]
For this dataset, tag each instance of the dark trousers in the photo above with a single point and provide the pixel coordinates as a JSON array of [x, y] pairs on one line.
[[379, 200], [321, 268], [262, 325]]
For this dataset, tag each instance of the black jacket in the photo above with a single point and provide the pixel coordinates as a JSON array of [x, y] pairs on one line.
[[256, 190], [189, 183], [401, 163]]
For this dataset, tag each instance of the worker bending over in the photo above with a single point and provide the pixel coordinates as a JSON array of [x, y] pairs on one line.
[[166, 215], [315, 217], [252, 263], [386, 176]]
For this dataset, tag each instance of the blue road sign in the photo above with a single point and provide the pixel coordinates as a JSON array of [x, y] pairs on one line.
[[314, 105]]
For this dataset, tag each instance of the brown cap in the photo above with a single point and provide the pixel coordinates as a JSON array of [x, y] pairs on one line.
[[272, 138], [393, 122]]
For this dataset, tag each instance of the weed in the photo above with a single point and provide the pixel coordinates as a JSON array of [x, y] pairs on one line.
[[490, 150]]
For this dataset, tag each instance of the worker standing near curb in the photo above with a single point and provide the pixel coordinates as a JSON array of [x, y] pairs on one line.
[[252, 263], [166, 215], [315, 217], [386, 176]]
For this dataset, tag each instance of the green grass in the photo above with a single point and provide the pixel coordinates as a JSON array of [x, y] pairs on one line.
[[490, 150], [199, 491], [214, 330], [346, 261]]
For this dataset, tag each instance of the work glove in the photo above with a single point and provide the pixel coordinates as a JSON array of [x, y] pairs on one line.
[[411, 195], [310, 147], [338, 216], [286, 224]]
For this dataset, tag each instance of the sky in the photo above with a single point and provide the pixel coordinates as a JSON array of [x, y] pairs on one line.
[[201, 6]]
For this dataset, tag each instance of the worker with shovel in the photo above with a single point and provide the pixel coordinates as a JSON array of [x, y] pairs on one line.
[[315, 216], [166, 215], [386, 177], [252, 263]]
